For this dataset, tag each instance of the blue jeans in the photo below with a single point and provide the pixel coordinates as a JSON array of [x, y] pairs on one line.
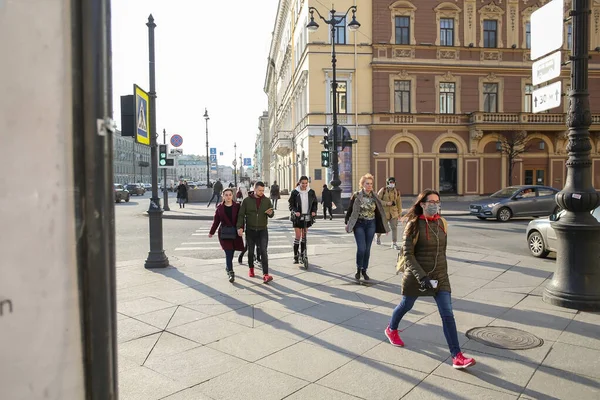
[[364, 230], [229, 260], [444, 304]]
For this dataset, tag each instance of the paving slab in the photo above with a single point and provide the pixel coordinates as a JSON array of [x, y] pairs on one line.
[[306, 361], [194, 366], [314, 391], [435, 387], [552, 384], [373, 380]]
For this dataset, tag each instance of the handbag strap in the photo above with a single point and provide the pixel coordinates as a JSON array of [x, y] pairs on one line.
[[226, 218]]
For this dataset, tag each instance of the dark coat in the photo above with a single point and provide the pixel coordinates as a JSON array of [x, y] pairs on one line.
[[421, 259], [181, 191], [218, 187], [221, 219], [326, 198], [274, 193]]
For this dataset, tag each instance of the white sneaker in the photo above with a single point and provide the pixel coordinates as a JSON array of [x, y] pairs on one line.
[[378, 241], [395, 246]]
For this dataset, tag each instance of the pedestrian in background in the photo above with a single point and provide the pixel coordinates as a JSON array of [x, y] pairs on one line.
[[181, 194], [225, 221], [254, 213], [302, 201], [217, 189], [274, 194], [426, 271], [392, 204], [326, 202], [365, 217]]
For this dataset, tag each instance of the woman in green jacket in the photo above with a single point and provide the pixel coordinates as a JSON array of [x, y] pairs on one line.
[[426, 271]]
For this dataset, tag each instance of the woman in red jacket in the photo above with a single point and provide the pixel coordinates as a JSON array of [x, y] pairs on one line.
[[225, 220]]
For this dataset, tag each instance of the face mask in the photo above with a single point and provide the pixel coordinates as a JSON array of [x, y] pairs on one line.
[[431, 209], [391, 185]]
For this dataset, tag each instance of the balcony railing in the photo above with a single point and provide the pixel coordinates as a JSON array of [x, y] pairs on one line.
[[421, 119], [477, 117], [282, 143], [516, 118]]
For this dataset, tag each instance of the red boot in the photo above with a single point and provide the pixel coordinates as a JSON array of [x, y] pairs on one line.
[[251, 272]]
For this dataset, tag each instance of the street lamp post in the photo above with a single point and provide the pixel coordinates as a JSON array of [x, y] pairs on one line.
[[165, 191], [333, 22], [234, 164], [576, 281], [156, 257], [207, 160]]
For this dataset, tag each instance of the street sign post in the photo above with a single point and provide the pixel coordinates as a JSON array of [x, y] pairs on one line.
[[176, 140], [547, 29], [547, 97], [247, 162], [546, 68], [176, 152], [213, 150]]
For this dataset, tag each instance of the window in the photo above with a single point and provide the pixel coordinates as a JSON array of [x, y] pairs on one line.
[[570, 36], [402, 96], [490, 97], [318, 174], [545, 192], [528, 35], [402, 30], [490, 27], [340, 31], [527, 102], [447, 32], [341, 100], [447, 95]]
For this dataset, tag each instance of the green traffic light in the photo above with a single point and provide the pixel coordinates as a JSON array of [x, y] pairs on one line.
[[163, 162]]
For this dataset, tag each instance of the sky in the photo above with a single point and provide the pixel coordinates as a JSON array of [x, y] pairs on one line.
[[209, 53]]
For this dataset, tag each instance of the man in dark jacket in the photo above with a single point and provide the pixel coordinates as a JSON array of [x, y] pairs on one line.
[[217, 190], [274, 194], [254, 213], [327, 201]]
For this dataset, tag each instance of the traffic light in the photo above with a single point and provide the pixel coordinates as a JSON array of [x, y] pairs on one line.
[[325, 159], [162, 155], [326, 142]]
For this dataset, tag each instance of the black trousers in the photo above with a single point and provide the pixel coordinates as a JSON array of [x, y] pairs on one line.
[[325, 208], [258, 238]]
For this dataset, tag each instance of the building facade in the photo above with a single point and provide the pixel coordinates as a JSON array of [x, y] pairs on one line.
[[262, 152], [131, 160], [298, 85], [452, 97]]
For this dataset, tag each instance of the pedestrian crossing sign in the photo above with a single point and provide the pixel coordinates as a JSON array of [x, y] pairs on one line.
[[142, 114]]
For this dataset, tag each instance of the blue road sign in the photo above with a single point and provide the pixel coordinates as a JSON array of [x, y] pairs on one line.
[[221, 153], [213, 158], [247, 162], [176, 140], [213, 150]]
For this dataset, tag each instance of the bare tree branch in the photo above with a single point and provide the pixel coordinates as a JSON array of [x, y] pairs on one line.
[[513, 144]]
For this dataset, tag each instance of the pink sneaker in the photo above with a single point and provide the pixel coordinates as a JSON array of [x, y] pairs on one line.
[[462, 362], [394, 337]]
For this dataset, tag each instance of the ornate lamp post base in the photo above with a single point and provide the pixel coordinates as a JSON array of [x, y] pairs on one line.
[[575, 281]]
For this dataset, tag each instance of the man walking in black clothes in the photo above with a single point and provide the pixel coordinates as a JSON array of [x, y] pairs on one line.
[[274, 194], [326, 201], [254, 213], [217, 190]]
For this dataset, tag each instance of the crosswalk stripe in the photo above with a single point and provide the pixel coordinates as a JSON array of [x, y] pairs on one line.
[[219, 248]]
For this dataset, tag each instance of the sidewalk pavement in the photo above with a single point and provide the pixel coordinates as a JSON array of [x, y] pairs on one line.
[[199, 211], [184, 332]]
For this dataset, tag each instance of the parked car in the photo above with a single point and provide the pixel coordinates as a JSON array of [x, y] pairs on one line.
[[136, 188], [121, 193], [517, 201], [541, 237]]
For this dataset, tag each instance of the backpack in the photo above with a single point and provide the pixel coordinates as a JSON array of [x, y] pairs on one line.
[[401, 261]]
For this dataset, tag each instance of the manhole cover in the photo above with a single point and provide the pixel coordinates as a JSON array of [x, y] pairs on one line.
[[504, 338]]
